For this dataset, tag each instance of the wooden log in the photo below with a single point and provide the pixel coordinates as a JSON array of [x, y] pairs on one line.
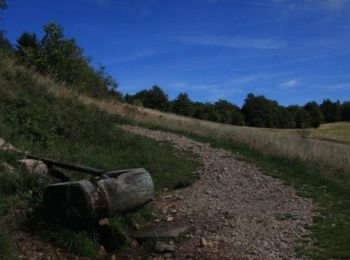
[[76, 204], [68, 165]]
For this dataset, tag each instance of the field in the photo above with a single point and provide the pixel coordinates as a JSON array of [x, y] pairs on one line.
[[327, 144], [49, 119], [334, 132], [308, 145]]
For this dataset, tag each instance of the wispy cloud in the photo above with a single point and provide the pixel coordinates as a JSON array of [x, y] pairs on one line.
[[340, 86], [290, 83], [329, 4], [214, 91], [234, 42], [102, 2], [332, 5], [132, 57]]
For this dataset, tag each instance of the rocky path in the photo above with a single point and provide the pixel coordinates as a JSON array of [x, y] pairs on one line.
[[237, 211]]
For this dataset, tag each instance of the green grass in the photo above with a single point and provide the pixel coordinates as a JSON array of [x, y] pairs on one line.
[[329, 190], [64, 129]]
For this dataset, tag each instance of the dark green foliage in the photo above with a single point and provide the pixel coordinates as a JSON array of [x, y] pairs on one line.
[[314, 111], [260, 112], [301, 119], [256, 111], [205, 111], [182, 105], [3, 4], [229, 113], [332, 111], [63, 60], [5, 251], [76, 242], [346, 111], [6, 48], [154, 98]]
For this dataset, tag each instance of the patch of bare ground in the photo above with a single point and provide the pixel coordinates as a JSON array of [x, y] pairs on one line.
[[237, 211]]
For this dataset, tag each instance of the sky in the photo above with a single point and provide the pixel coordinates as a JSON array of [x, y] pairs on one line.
[[293, 51]]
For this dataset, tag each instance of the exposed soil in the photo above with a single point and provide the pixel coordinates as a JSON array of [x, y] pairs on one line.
[[236, 210]]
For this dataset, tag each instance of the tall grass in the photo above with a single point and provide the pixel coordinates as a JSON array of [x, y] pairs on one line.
[[330, 154]]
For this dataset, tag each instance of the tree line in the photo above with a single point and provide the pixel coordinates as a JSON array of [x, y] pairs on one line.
[[63, 60], [257, 111]]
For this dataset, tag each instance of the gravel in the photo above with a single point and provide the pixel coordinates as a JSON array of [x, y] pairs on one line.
[[236, 210]]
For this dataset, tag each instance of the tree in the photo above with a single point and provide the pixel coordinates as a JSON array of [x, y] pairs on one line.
[[157, 99], [331, 111], [301, 118], [154, 98], [3, 4], [346, 111], [63, 60], [5, 45], [260, 112], [229, 113], [182, 105], [314, 111], [28, 49]]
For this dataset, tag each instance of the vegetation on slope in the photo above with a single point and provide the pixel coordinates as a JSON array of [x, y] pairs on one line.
[[327, 154], [62, 128]]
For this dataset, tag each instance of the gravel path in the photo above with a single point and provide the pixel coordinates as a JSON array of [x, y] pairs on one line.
[[237, 211]]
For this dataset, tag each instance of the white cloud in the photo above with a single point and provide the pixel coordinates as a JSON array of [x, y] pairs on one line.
[[330, 4], [340, 86], [234, 42], [132, 57], [290, 83], [102, 2]]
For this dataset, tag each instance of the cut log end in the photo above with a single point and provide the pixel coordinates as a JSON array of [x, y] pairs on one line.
[[77, 203]]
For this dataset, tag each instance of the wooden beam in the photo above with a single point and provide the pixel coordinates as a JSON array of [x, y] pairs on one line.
[[68, 165]]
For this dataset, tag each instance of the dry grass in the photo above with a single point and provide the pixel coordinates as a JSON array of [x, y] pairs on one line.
[[335, 132], [291, 143], [335, 155]]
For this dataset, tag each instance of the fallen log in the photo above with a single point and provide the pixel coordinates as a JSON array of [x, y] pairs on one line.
[[78, 203], [68, 165]]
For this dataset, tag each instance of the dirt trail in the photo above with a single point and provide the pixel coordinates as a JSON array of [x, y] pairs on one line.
[[237, 211]]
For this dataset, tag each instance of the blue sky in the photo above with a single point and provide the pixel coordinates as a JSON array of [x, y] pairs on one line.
[[293, 51]]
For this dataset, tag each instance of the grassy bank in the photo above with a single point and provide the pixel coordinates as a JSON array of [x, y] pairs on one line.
[[301, 145], [322, 146], [63, 128]]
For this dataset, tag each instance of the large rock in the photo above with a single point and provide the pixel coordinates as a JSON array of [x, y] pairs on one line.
[[33, 166]]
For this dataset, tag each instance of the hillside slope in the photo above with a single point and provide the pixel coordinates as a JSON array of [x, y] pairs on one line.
[[47, 119], [275, 142], [63, 128]]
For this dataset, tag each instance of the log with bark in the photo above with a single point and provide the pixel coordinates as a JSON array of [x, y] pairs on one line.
[[77, 204]]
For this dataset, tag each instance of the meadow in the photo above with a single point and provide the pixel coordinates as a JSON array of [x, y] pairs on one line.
[[49, 119], [327, 145]]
